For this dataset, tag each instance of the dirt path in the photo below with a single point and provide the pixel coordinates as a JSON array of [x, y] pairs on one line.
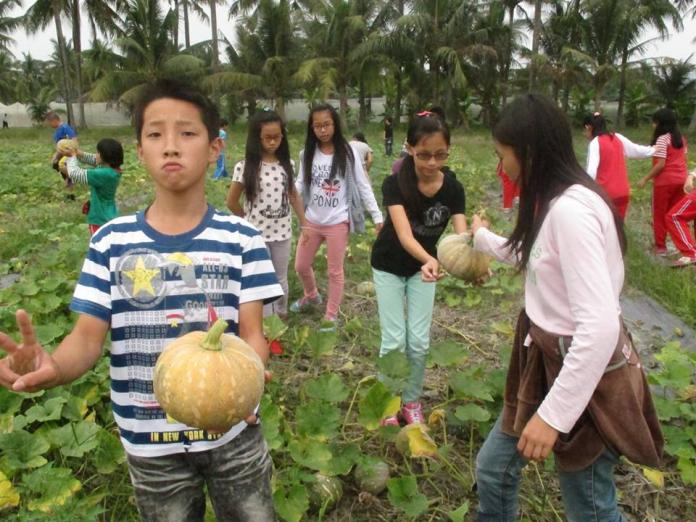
[[652, 325]]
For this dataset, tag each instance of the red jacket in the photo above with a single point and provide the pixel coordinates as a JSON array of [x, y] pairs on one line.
[[611, 173]]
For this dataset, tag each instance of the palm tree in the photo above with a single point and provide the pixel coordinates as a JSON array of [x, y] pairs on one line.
[[536, 38], [8, 78], [266, 56], [673, 83], [147, 54], [640, 15], [37, 18], [8, 23]]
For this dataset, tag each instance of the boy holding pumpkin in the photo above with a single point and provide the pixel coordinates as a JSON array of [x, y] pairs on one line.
[[149, 278]]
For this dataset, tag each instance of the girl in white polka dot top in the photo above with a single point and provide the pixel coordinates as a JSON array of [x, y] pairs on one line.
[[265, 178]]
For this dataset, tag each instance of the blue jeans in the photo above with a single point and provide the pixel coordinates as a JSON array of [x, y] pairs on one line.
[[589, 495], [220, 168], [409, 332], [237, 476]]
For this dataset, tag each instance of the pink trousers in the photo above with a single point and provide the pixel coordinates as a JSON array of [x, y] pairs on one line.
[[336, 237]]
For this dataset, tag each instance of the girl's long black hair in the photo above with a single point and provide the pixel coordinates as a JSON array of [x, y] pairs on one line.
[[254, 153], [420, 127], [597, 123], [540, 135], [342, 150], [665, 121]]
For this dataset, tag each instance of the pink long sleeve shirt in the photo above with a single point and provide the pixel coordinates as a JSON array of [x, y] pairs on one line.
[[573, 281]]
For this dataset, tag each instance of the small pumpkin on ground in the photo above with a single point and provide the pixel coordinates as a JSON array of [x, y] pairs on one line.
[[372, 475], [209, 380], [456, 255], [325, 491]]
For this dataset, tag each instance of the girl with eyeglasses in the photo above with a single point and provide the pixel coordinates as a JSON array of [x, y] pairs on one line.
[[421, 200], [265, 177], [334, 189]]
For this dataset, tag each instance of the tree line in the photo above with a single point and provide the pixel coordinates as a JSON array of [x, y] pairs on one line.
[[414, 53]]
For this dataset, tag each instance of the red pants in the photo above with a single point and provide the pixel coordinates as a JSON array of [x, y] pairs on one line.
[[678, 219], [663, 199], [621, 205]]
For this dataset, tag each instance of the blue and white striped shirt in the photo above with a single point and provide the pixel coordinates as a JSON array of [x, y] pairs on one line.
[[153, 288]]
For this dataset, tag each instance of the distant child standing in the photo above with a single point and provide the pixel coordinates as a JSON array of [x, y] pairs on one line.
[[360, 144], [388, 136], [333, 188], [606, 159], [220, 168], [421, 199], [102, 181], [265, 177], [668, 173], [61, 130]]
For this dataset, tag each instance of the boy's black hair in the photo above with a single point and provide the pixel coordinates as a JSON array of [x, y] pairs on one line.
[[665, 121], [597, 123], [419, 128], [111, 152], [359, 136], [540, 136], [177, 91], [52, 115], [254, 152], [342, 150]]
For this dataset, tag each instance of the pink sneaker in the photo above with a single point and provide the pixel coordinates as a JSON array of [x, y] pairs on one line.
[[412, 413], [390, 421]]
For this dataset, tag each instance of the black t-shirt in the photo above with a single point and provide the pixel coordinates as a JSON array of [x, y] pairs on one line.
[[388, 130], [387, 253]]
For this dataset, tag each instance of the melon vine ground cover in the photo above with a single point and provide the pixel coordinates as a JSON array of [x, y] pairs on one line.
[[60, 457]]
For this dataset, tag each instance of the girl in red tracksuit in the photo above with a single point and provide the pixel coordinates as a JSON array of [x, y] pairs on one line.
[[511, 190], [606, 159], [678, 219], [668, 173]]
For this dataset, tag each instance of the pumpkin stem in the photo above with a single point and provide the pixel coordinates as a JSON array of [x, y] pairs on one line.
[[212, 339]]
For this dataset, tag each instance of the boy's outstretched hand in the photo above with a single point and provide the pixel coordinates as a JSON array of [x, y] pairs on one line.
[[27, 367]]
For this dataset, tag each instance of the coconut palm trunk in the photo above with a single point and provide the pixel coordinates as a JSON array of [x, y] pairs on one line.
[[536, 36], [64, 61], [214, 29], [187, 28], [77, 44]]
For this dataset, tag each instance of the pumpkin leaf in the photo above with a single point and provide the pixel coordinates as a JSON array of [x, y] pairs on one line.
[[404, 495], [328, 387], [9, 497], [108, 455], [273, 327], [75, 408], [310, 453], [464, 386], [376, 405], [23, 450], [447, 353], [292, 503], [270, 425], [343, 459], [318, 420], [655, 476], [53, 486], [48, 411], [413, 440], [75, 439], [458, 514], [47, 333], [322, 343], [472, 412], [394, 370]]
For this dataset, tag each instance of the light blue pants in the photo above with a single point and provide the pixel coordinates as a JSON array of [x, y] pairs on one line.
[[588, 495], [220, 168], [405, 313]]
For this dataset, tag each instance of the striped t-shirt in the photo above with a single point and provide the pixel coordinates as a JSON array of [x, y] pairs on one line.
[[152, 288]]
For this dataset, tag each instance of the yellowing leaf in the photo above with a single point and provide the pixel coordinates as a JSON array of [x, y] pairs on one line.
[[436, 417], [393, 406], [9, 497], [656, 477], [688, 393], [414, 440]]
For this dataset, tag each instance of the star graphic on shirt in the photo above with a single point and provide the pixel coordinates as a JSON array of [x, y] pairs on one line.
[[142, 277]]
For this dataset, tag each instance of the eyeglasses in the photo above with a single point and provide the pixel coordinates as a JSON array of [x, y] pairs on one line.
[[323, 126], [427, 156]]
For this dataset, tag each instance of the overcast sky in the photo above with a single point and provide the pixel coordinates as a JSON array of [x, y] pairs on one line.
[[678, 46]]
